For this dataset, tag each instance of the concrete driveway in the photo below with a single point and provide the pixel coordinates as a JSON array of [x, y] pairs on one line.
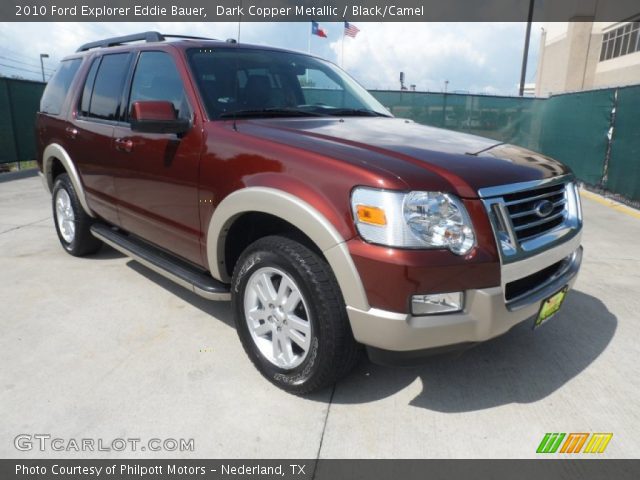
[[103, 348]]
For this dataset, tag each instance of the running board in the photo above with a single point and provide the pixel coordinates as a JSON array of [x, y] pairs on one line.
[[163, 263]]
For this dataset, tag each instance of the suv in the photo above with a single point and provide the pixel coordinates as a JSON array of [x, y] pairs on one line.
[[272, 179]]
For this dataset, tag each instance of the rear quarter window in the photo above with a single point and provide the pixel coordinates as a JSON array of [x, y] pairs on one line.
[[56, 90]]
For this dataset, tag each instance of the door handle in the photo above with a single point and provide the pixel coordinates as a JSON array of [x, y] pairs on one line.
[[124, 144], [71, 132]]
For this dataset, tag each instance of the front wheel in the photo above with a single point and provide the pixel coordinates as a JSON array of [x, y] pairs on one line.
[[290, 316]]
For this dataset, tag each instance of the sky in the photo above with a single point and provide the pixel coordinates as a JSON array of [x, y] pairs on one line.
[[473, 57]]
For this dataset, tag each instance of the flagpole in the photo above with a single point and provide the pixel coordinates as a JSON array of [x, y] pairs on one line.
[[306, 75], [342, 60]]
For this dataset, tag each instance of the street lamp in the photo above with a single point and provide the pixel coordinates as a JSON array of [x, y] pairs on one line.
[[43, 55]]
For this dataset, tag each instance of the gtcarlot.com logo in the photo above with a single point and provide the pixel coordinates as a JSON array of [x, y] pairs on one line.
[[26, 442], [574, 443]]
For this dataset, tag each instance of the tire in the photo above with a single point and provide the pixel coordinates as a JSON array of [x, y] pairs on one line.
[[275, 328], [71, 221]]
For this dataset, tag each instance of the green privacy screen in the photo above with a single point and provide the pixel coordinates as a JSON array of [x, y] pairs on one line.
[[570, 127], [574, 130], [19, 101], [7, 144], [624, 163], [507, 119]]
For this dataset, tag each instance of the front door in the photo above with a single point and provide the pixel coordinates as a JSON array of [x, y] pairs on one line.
[[158, 184]]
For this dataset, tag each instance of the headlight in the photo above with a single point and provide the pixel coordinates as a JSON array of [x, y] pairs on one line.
[[412, 220]]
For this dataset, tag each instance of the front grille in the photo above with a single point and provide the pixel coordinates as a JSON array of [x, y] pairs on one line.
[[531, 282], [521, 207]]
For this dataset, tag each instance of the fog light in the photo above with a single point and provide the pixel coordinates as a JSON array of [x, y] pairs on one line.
[[437, 303]]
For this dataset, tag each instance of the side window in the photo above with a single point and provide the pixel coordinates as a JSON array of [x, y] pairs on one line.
[[157, 78], [57, 88], [103, 100], [85, 102]]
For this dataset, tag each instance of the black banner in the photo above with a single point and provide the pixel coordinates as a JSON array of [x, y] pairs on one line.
[[594, 469], [318, 10]]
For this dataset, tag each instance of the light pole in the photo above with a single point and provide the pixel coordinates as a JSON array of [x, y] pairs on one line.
[[525, 52], [43, 55]]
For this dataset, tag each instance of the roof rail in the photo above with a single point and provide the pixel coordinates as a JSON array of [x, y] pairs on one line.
[[136, 37], [188, 37], [110, 42]]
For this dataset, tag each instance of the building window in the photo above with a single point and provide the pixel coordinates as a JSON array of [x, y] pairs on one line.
[[621, 41]]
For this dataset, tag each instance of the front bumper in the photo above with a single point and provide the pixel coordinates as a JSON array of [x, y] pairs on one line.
[[486, 313]]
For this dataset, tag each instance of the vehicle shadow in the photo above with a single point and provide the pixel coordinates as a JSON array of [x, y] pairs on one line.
[[522, 366], [106, 253], [220, 310]]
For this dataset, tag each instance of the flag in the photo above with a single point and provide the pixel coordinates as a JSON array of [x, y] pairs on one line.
[[350, 30], [316, 29]]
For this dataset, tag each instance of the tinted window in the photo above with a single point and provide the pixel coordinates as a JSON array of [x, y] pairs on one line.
[[157, 78], [107, 88], [58, 86], [85, 102], [255, 81]]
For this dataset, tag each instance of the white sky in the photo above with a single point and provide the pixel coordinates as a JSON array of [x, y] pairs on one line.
[[474, 57]]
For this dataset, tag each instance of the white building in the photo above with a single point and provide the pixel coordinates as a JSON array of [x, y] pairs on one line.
[[584, 55]]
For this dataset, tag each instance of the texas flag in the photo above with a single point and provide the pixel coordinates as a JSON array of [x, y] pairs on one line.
[[316, 29]]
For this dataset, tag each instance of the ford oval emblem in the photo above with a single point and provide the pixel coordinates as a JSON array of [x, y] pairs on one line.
[[543, 208]]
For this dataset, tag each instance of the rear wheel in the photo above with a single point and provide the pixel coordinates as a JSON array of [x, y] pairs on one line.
[[290, 315], [71, 221]]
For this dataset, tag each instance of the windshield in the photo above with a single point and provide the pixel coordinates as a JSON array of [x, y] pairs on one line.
[[239, 82]]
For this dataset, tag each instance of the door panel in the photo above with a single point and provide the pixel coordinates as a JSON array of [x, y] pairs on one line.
[[91, 134], [157, 185]]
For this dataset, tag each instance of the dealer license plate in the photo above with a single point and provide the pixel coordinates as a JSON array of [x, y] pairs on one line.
[[550, 307]]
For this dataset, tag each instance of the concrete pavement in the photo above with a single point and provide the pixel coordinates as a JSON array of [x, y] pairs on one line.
[[103, 348]]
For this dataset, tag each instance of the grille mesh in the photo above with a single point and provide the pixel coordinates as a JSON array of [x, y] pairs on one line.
[[521, 207]]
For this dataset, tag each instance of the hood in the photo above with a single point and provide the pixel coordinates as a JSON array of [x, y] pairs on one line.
[[404, 148]]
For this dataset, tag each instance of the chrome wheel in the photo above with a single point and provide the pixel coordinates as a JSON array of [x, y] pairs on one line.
[[277, 317], [65, 216]]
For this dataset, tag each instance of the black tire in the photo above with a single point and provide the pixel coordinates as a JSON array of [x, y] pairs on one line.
[[82, 243], [333, 352]]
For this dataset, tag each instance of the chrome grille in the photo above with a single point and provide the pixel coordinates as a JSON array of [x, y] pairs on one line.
[[530, 217], [526, 221]]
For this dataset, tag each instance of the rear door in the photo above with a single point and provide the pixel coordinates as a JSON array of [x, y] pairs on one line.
[[158, 186], [99, 109]]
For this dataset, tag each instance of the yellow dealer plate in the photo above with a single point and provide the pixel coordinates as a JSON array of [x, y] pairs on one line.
[[550, 307]]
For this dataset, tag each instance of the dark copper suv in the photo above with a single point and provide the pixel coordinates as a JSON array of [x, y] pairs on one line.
[[271, 178]]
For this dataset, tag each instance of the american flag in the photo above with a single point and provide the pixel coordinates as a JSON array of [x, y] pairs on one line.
[[350, 30]]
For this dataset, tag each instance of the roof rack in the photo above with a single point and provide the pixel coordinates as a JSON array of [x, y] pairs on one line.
[[136, 37]]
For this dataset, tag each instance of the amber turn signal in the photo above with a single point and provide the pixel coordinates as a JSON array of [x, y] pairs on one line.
[[371, 215]]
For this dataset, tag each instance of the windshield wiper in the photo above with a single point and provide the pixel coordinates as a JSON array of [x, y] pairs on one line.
[[355, 112], [268, 112]]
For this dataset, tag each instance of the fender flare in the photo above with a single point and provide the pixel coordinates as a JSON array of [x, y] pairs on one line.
[[296, 212], [55, 150]]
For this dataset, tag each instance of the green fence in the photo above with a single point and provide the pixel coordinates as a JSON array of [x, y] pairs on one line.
[[508, 119], [19, 101], [623, 168], [596, 133]]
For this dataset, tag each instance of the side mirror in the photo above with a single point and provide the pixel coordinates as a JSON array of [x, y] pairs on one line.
[[157, 117]]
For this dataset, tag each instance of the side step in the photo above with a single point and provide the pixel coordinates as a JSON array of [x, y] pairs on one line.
[[163, 263]]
